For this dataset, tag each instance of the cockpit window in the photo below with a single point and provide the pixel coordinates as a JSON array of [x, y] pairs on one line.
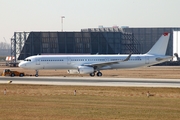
[[27, 60]]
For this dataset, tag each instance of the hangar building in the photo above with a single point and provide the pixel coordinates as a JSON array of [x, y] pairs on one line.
[[111, 40]]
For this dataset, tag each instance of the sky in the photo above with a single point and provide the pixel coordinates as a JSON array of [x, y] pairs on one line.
[[45, 15]]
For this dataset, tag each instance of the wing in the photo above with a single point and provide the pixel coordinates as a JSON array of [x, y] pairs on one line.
[[102, 64]]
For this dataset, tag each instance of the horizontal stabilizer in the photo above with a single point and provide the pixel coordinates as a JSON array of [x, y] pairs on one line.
[[164, 59]]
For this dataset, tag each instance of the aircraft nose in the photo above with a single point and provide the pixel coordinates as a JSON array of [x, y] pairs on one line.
[[21, 65]]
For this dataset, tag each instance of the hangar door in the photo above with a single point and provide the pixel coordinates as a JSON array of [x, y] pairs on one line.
[[176, 44]]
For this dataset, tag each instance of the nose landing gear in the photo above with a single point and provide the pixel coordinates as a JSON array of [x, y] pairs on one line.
[[36, 73]]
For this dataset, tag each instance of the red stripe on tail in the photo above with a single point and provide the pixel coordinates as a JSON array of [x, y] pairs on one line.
[[165, 34]]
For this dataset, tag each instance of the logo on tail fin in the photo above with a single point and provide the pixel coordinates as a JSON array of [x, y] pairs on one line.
[[165, 34]]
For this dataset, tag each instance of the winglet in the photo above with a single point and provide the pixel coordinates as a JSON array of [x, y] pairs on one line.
[[128, 57]]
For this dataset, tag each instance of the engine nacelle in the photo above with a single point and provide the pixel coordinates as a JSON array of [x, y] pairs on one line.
[[73, 71], [81, 70], [85, 70]]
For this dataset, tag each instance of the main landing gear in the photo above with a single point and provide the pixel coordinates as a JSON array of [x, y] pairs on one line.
[[99, 74]]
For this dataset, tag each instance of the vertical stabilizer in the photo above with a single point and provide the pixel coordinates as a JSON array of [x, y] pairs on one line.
[[160, 46]]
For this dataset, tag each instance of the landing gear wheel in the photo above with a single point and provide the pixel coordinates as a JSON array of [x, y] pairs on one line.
[[92, 74], [99, 74], [21, 75], [12, 75]]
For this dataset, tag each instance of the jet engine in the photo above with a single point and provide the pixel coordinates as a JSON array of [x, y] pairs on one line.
[[81, 70], [73, 71], [85, 69]]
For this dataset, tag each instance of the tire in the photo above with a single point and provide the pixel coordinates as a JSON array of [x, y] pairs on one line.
[[12, 75], [99, 74], [21, 74], [92, 74]]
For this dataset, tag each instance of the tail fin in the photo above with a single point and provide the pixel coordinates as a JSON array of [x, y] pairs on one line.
[[160, 46]]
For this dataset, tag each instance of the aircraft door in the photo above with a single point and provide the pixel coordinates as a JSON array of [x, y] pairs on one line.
[[68, 60], [146, 60], [107, 59], [37, 61]]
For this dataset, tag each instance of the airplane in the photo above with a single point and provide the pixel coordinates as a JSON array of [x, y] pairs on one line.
[[93, 64]]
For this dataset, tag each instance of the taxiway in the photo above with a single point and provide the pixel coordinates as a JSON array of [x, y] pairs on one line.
[[93, 81]]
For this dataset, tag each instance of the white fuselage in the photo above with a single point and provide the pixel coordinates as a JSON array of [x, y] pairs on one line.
[[74, 61]]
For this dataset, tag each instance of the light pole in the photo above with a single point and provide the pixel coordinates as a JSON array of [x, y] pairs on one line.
[[62, 21]]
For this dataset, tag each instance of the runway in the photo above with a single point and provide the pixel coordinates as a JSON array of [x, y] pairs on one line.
[[93, 81]]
